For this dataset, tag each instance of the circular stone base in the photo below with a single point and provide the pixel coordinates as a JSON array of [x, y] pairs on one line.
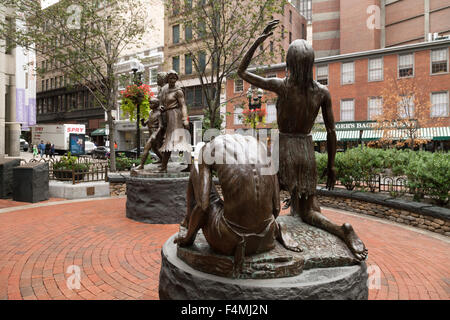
[[157, 198], [179, 281]]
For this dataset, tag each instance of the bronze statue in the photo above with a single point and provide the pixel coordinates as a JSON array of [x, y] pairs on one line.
[[176, 119], [299, 101], [161, 81], [155, 128], [244, 222]]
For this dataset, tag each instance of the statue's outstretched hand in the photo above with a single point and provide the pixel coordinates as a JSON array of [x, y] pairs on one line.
[[268, 31]]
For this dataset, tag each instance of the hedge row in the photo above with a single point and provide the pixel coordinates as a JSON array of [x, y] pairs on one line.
[[427, 174]]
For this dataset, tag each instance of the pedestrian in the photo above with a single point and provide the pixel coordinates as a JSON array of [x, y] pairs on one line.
[[41, 148], [35, 151], [47, 149], [52, 150]]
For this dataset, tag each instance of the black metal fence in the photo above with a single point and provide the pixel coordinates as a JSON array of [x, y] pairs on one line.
[[97, 170], [379, 183]]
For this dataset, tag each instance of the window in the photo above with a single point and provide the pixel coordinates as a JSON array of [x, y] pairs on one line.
[[153, 75], [202, 61], [322, 75], [175, 7], [282, 32], [271, 46], [375, 107], [303, 31], [348, 73], [290, 37], [406, 107], [201, 29], [188, 64], [271, 113], [439, 104], [439, 61], [290, 16], [238, 115], [188, 4], [51, 83], [406, 65], [348, 110], [61, 82], [42, 85], [188, 32], [376, 69], [46, 84], [176, 33], [10, 25], [176, 64], [238, 85], [195, 97]]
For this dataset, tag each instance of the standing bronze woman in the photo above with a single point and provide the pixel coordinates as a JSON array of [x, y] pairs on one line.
[[174, 107]]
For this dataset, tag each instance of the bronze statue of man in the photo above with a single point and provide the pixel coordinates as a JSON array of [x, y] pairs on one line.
[[176, 117], [155, 128], [244, 223], [299, 100]]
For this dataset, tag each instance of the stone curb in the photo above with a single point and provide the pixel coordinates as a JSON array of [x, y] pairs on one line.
[[390, 202]]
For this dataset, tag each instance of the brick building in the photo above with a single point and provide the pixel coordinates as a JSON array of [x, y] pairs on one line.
[[356, 81], [343, 26], [293, 25]]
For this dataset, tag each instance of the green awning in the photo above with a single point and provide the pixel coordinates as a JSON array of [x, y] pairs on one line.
[[319, 136], [99, 132], [371, 135], [347, 135]]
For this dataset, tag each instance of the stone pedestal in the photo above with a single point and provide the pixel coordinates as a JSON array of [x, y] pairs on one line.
[[157, 198], [6, 176], [31, 183], [325, 269]]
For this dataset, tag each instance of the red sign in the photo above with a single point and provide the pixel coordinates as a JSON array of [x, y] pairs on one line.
[[75, 130]]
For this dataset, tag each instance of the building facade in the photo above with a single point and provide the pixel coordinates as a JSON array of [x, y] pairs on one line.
[[356, 82], [341, 26], [17, 92], [59, 102], [293, 25]]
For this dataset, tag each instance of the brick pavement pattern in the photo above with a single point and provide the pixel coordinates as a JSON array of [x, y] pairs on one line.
[[120, 258]]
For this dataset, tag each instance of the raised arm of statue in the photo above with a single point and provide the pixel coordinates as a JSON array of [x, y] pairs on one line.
[[271, 84]]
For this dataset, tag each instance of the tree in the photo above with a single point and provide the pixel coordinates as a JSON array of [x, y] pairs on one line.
[[85, 39], [218, 34], [406, 108]]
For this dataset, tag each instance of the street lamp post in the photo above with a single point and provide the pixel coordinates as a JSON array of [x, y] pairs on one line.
[[137, 69], [257, 100]]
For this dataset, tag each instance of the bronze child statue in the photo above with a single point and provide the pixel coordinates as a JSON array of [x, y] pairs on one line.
[[245, 222], [300, 99], [155, 128]]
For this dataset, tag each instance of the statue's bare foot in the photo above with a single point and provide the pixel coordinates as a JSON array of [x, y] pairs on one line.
[[285, 238], [354, 243], [183, 241]]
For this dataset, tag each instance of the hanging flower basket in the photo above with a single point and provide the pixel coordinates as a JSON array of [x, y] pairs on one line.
[[254, 117], [134, 96]]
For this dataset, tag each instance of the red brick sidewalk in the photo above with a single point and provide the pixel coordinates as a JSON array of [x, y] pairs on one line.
[[120, 258]]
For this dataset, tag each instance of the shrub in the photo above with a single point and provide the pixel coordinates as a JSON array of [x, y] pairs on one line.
[[70, 162]]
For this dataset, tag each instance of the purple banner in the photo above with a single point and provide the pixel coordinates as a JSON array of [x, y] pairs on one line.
[[32, 112], [20, 106]]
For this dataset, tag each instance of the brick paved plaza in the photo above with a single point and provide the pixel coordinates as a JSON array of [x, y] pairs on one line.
[[120, 258]]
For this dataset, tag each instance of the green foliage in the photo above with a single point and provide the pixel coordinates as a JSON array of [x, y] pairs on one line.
[[70, 162], [428, 174], [124, 163]]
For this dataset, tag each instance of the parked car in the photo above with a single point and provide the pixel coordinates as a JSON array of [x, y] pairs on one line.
[[101, 153], [133, 154], [89, 147], [24, 145]]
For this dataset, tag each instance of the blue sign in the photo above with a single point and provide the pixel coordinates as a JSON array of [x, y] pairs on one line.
[[77, 144]]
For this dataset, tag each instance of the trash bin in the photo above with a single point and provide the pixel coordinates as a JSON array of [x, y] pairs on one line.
[[31, 182], [6, 177]]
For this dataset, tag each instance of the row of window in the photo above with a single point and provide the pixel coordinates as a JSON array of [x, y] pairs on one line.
[[189, 64], [66, 102], [53, 83], [439, 108], [405, 68], [406, 107]]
